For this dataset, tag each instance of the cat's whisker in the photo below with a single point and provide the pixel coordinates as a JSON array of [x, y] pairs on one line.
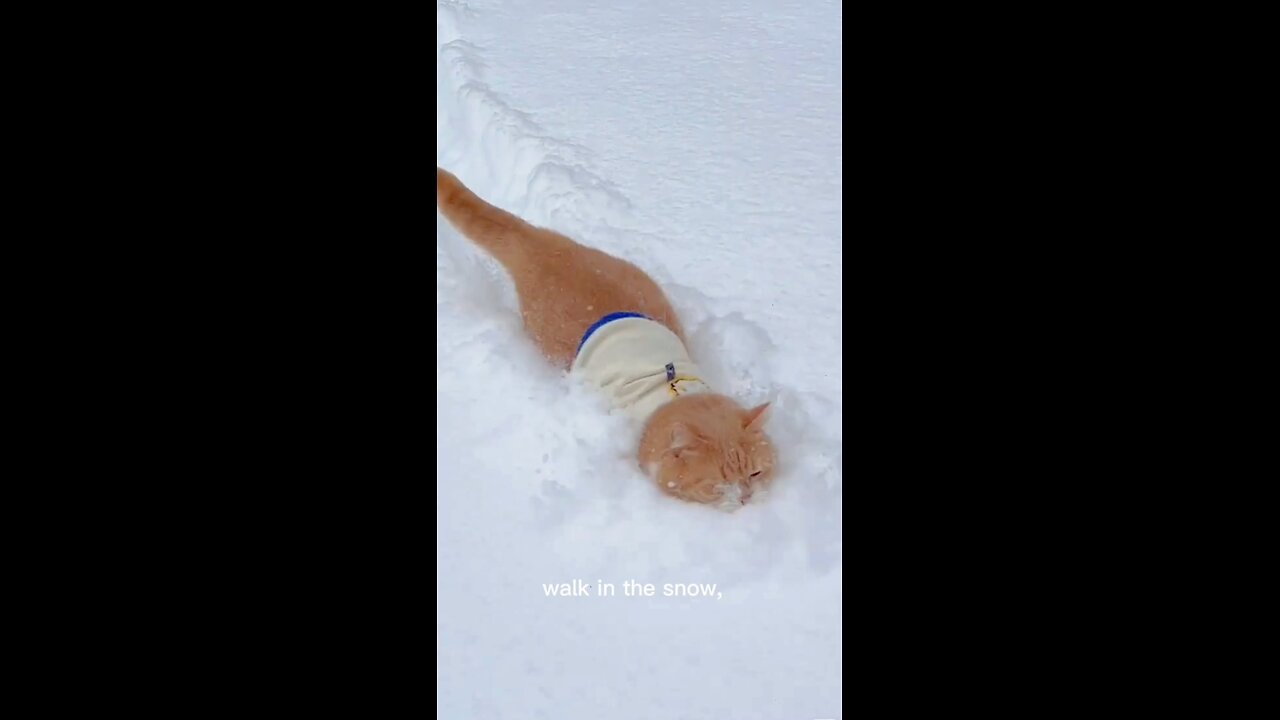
[[730, 496]]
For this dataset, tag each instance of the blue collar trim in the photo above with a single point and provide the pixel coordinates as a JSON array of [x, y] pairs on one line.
[[605, 321]]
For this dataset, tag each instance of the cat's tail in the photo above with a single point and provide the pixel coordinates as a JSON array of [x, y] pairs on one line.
[[491, 228]]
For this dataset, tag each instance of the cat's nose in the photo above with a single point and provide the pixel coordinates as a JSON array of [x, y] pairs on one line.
[[745, 497]]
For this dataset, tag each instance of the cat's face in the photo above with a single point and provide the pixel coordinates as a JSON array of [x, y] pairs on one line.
[[715, 454]]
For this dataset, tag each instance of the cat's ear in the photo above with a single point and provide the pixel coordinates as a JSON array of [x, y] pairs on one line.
[[755, 417]]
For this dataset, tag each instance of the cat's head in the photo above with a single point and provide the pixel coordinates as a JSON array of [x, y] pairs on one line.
[[708, 449]]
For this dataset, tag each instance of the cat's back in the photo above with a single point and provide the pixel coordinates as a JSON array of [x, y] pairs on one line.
[[563, 285], [575, 286]]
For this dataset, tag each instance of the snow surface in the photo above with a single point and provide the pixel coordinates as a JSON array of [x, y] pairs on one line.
[[701, 141]]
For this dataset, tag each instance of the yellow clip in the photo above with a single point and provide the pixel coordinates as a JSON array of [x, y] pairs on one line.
[[671, 386]]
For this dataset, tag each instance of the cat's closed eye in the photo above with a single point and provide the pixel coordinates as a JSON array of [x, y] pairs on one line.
[[756, 473]]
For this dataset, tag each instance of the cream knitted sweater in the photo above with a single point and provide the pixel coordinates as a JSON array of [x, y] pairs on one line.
[[638, 363]]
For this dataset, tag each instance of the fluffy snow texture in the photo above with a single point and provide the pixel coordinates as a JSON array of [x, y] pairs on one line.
[[701, 141]]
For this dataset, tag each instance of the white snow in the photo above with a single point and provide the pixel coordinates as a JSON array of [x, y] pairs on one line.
[[701, 141]]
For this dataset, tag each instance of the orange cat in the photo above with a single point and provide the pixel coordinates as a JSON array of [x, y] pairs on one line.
[[604, 319]]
